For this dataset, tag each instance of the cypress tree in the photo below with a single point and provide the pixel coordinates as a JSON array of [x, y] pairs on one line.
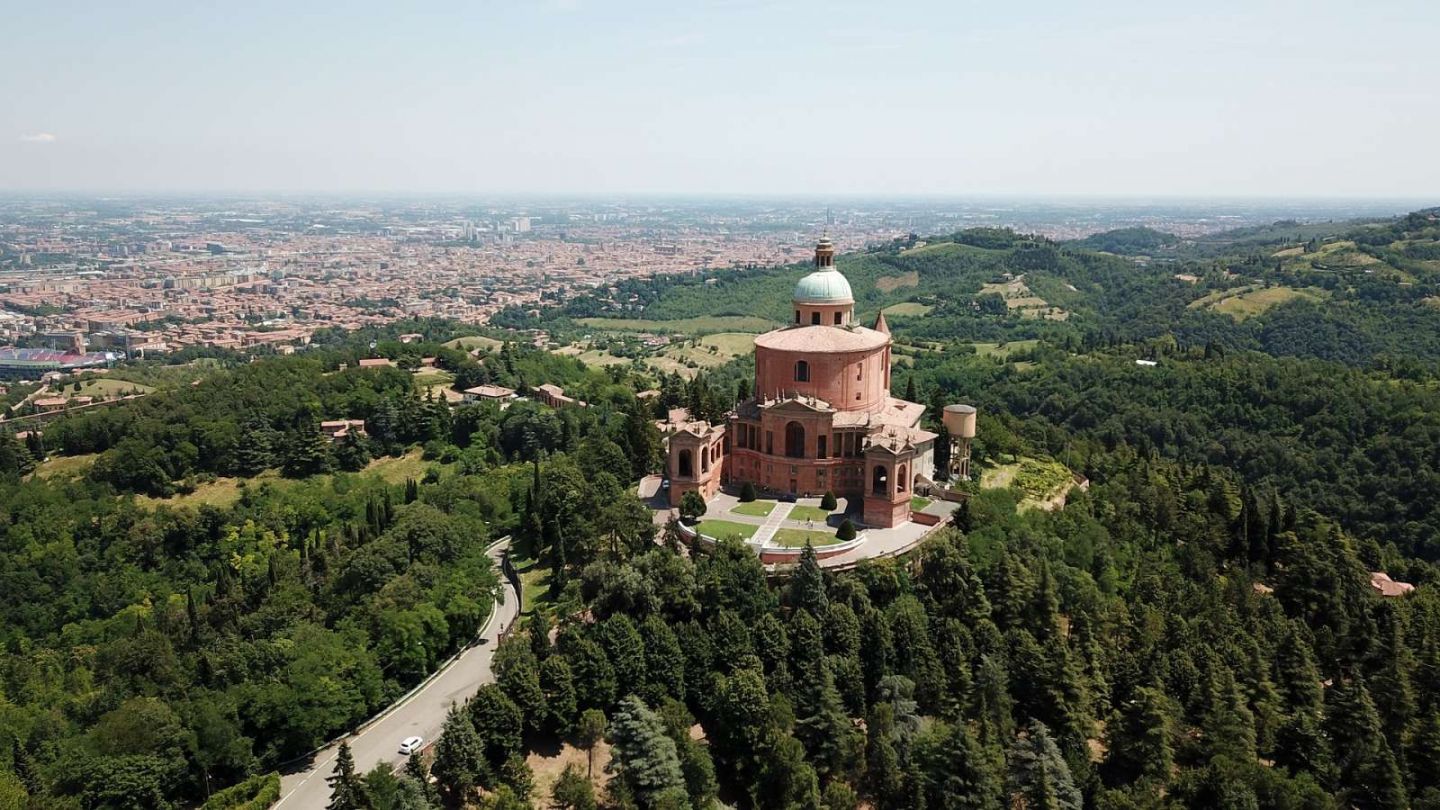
[[807, 586]]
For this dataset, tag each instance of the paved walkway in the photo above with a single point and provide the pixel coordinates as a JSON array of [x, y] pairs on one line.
[[772, 523]]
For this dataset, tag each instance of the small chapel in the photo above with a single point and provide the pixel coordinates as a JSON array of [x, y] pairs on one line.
[[822, 417]]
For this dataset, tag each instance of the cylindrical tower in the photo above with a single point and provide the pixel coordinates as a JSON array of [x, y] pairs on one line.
[[959, 421]]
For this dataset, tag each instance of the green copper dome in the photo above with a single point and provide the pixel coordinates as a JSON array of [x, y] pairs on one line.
[[824, 286]]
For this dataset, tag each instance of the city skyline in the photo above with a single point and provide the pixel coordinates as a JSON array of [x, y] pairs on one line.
[[1114, 100]]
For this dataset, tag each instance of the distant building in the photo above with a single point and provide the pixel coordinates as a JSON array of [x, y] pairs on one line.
[[1387, 587], [338, 429], [555, 397], [376, 362], [489, 393]]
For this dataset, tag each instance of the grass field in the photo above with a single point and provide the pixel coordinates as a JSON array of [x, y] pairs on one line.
[[687, 326], [1020, 297], [1247, 302], [910, 308], [595, 358], [754, 508], [795, 538], [887, 284], [1004, 350], [225, 491], [430, 377], [65, 466], [719, 529], [711, 350], [809, 513], [474, 342], [917, 503]]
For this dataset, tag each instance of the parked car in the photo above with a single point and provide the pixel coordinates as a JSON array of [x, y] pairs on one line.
[[786, 497], [410, 745]]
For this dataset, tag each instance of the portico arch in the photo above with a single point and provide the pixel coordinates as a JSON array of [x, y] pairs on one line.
[[795, 440], [877, 481]]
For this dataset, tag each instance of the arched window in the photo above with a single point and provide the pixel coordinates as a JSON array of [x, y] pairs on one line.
[[795, 440], [705, 458], [820, 446], [877, 485], [900, 479], [686, 466], [802, 371], [814, 319]]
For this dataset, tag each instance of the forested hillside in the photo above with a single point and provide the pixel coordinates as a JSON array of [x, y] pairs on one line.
[[215, 587]]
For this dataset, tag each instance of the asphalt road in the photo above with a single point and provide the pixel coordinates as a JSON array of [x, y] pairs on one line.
[[421, 714]]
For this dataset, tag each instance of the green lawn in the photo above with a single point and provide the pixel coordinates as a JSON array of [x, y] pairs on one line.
[[754, 508], [795, 538], [727, 528], [809, 513], [534, 581], [917, 503]]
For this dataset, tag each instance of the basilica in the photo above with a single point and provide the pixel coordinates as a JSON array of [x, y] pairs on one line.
[[822, 417]]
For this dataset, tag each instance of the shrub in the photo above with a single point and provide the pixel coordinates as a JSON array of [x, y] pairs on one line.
[[692, 506], [828, 503], [256, 793], [846, 532], [747, 492]]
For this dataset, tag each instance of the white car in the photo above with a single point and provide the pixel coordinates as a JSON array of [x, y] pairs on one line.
[[410, 745]]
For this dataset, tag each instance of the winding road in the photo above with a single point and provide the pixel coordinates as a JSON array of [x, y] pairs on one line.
[[420, 713]]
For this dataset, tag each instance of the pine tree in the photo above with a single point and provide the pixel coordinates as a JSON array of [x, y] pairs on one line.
[[1139, 739], [959, 776], [573, 790], [255, 451], [664, 660], [415, 770], [1368, 776], [822, 725], [1039, 774], [498, 723], [459, 757], [557, 683], [644, 757], [588, 732], [345, 789], [307, 451], [911, 395]]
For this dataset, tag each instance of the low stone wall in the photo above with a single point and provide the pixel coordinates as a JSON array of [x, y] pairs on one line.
[[924, 519]]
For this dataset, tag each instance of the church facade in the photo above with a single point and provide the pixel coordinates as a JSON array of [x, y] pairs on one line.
[[821, 418]]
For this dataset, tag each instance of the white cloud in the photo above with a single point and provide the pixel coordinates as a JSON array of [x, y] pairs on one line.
[[39, 137]]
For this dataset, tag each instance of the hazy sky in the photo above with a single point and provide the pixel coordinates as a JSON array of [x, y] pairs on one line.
[[950, 97]]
